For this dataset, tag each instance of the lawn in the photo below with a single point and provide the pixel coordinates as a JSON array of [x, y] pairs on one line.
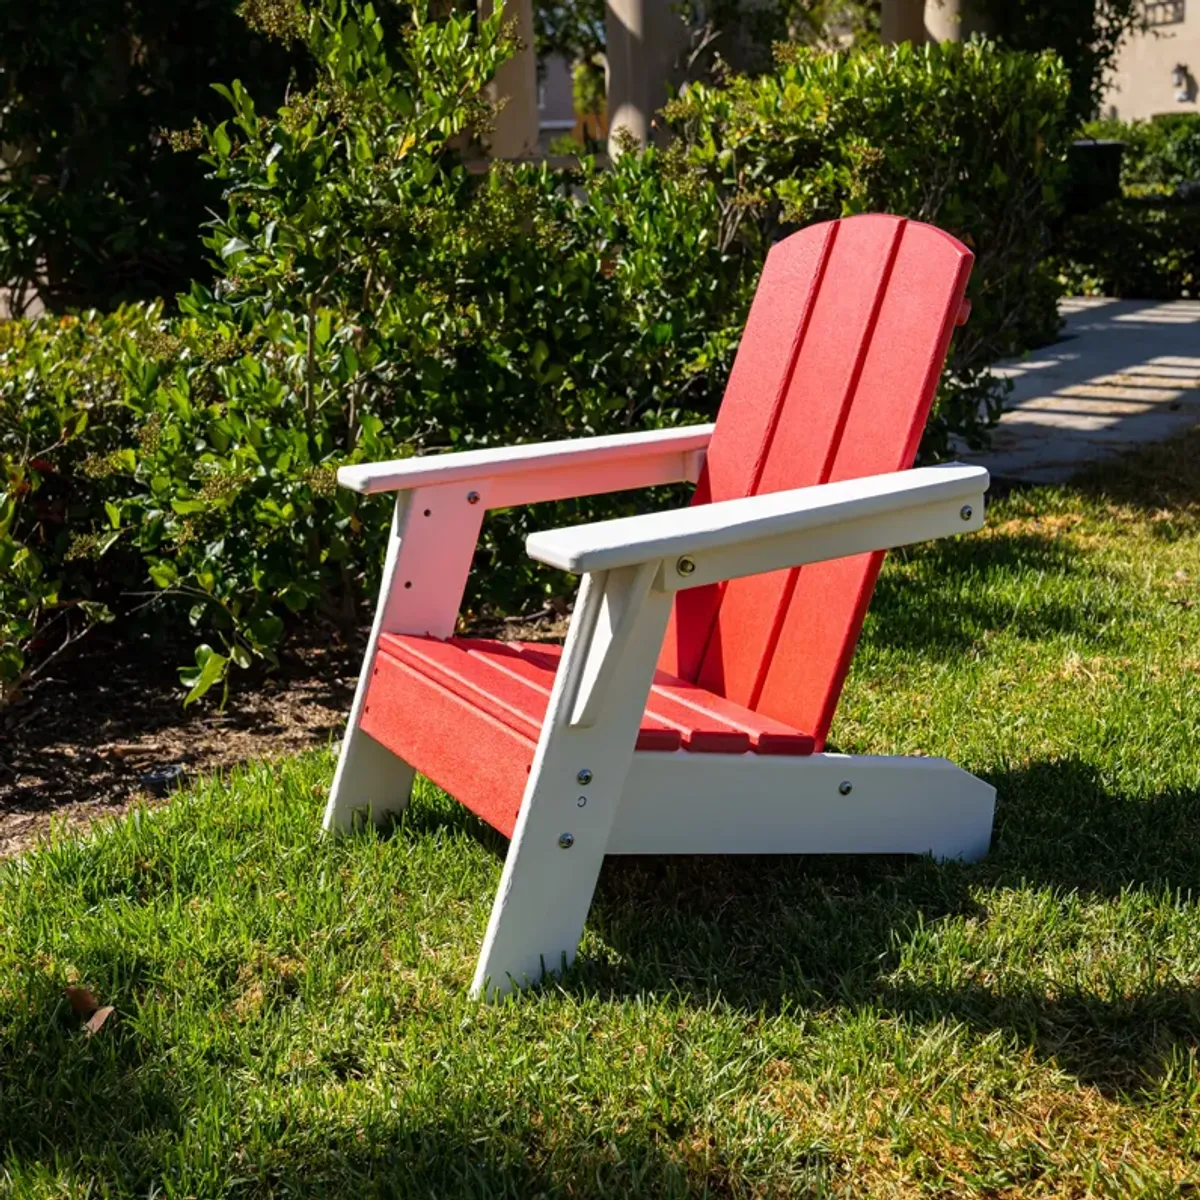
[[291, 1014]]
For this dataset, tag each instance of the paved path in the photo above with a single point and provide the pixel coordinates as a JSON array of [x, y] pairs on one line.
[[1125, 372]]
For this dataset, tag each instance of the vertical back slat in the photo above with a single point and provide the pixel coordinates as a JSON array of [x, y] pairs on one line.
[[834, 379], [753, 399], [807, 666], [817, 397]]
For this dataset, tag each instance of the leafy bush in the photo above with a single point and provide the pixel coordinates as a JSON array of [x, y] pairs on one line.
[[378, 297], [1087, 36], [94, 207], [967, 137], [1160, 154], [360, 318], [1144, 247]]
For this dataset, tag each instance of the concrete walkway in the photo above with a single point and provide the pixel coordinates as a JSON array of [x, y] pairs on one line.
[[1124, 373]]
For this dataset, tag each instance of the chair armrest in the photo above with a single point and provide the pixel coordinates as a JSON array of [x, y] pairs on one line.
[[527, 474], [711, 542]]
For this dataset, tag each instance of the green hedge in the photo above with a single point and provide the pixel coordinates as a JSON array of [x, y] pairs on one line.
[[1160, 153], [968, 137], [376, 298], [1146, 244], [1142, 247], [94, 206]]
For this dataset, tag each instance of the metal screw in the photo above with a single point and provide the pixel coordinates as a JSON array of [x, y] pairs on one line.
[[566, 840], [845, 787], [472, 497], [581, 802], [685, 565], [584, 777], [966, 512]]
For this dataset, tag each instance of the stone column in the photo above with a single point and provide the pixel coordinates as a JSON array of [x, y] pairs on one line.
[[953, 20], [902, 21], [516, 132], [645, 41]]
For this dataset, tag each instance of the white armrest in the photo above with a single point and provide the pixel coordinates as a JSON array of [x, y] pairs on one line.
[[658, 456], [711, 542]]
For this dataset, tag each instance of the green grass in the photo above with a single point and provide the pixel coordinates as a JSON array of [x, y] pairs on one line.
[[291, 1013]]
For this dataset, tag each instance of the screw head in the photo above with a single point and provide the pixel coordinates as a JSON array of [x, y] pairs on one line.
[[566, 840], [685, 565], [472, 497], [845, 787], [584, 777], [966, 512]]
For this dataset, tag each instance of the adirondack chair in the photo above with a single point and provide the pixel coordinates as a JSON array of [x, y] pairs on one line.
[[688, 710]]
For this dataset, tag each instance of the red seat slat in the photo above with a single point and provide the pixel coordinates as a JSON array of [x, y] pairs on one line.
[[414, 716], [510, 682]]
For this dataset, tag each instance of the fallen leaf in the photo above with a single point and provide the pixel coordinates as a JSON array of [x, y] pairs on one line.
[[98, 1018], [81, 1000]]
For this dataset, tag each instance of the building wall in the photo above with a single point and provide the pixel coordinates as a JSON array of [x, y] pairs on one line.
[[1142, 84]]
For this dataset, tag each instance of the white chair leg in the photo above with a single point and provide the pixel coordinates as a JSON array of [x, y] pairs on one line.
[[370, 784], [434, 533], [577, 781]]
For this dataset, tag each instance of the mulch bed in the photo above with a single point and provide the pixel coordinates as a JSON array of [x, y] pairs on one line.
[[109, 728]]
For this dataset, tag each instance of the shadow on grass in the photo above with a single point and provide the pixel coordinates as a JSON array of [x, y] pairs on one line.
[[103, 1115], [1163, 476], [771, 933], [949, 594]]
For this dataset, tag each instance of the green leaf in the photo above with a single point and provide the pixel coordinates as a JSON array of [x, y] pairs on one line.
[[164, 574], [213, 667]]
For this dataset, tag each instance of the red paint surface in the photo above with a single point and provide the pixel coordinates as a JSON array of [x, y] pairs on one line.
[[834, 379], [468, 713]]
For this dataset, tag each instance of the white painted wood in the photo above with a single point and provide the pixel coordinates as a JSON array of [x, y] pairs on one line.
[[779, 529], [546, 890], [673, 449], [614, 626], [882, 532], [684, 803], [434, 534]]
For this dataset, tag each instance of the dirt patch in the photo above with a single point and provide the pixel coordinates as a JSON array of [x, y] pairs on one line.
[[110, 728]]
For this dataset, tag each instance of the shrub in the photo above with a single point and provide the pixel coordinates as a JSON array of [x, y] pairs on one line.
[[1087, 35], [1146, 244], [94, 207], [967, 137], [1144, 247], [360, 317], [1160, 153], [377, 297]]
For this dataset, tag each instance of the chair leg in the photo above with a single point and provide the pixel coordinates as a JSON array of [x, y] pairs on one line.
[[370, 783], [546, 891], [434, 533], [576, 783]]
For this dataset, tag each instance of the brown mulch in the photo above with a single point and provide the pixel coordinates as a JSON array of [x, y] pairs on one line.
[[109, 728]]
